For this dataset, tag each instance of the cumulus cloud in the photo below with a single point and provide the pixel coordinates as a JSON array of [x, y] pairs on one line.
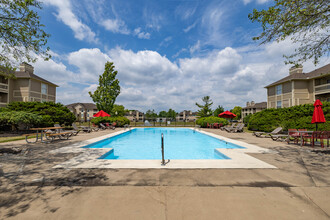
[[66, 15], [149, 80], [90, 63]]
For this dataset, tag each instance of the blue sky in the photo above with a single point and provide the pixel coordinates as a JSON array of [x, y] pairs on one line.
[[168, 53]]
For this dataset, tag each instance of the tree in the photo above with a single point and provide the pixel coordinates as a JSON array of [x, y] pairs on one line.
[[237, 110], [205, 110], [118, 110], [162, 114], [106, 93], [21, 35], [171, 114], [305, 21], [218, 110], [151, 114]]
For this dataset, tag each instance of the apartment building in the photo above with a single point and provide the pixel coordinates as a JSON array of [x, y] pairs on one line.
[[135, 116], [83, 111], [187, 115], [299, 88], [252, 107], [26, 86]]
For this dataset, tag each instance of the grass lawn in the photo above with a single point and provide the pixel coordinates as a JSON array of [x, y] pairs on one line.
[[16, 138]]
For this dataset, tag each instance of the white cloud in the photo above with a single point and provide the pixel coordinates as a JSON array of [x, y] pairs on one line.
[[258, 1], [115, 26], [65, 14], [187, 29], [195, 47], [140, 34], [90, 63], [148, 80]]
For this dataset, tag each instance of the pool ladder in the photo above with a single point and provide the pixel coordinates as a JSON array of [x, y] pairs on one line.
[[163, 160]]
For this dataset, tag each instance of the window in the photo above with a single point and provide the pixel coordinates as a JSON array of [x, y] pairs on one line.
[[279, 90], [44, 89], [279, 104]]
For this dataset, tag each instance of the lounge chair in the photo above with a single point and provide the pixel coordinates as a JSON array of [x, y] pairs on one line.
[[82, 128], [60, 130], [276, 131], [239, 128], [111, 126], [233, 125], [102, 126], [230, 129], [94, 127]]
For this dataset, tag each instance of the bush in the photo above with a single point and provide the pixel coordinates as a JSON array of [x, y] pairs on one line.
[[13, 120], [212, 119], [121, 121], [294, 117], [50, 111], [246, 119]]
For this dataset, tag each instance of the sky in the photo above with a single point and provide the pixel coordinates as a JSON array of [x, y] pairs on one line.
[[168, 53]]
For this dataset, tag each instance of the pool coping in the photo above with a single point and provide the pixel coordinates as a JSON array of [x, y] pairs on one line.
[[89, 156]]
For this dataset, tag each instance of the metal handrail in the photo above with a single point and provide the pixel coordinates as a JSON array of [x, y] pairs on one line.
[[163, 160]]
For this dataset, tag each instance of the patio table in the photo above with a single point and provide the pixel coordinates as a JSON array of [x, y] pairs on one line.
[[41, 133]]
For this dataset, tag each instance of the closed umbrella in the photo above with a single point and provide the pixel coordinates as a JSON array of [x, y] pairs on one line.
[[101, 114], [227, 114], [318, 116]]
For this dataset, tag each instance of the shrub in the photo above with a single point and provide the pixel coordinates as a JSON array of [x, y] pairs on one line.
[[212, 119], [121, 121], [50, 111], [294, 117], [13, 120], [246, 119]]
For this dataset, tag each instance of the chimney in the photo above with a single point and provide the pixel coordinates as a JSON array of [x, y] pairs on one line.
[[247, 104], [296, 69], [252, 103], [25, 67]]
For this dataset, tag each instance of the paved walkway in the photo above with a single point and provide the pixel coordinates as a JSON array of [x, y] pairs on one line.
[[298, 189]]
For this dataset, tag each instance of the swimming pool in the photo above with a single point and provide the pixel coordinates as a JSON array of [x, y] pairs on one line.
[[145, 144]]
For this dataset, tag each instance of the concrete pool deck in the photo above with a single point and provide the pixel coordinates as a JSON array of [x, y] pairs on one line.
[[30, 188], [89, 157]]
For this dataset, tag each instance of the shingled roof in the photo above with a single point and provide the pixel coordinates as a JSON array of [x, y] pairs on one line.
[[28, 75], [325, 70], [85, 105], [259, 105]]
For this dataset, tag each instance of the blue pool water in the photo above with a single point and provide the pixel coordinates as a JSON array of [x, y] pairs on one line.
[[145, 144]]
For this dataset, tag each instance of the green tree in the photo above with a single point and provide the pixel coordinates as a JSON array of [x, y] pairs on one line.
[[118, 110], [237, 110], [106, 93], [162, 114], [218, 110], [171, 114], [22, 34], [205, 110], [151, 114], [306, 22]]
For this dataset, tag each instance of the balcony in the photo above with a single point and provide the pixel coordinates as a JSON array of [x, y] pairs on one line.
[[3, 87], [322, 89]]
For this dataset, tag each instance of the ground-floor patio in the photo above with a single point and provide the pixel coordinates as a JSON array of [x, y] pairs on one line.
[[299, 188]]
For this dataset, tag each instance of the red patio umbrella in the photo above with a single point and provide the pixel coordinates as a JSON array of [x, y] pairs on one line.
[[318, 116], [101, 114], [227, 114]]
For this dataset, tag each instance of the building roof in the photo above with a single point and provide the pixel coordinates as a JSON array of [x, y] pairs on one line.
[[85, 105], [325, 70], [28, 75], [259, 105]]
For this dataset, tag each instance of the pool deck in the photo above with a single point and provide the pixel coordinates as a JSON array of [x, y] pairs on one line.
[[298, 188], [89, 157]]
